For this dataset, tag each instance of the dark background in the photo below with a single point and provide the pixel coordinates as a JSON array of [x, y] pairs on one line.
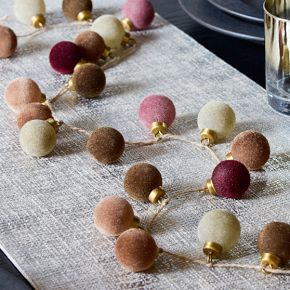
[[245, 56]]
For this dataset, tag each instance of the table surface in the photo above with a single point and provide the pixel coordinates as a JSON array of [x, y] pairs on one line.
[[247, 57]]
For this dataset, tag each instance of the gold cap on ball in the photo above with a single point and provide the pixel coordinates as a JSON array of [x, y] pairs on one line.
[[270, 260], [212, 250], [209, 187], [156, 195], [38, 21], [208, 136], [127, 24], [229, 156], [158, 129], [55, 124], [85, 15]]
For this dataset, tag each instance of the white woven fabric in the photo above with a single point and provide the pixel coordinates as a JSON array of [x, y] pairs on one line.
[[46, 206]]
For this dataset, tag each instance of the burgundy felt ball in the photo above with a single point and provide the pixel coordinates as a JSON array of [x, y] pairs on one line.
[[139, 12], [64, 56], [231, 179], [156, 108]]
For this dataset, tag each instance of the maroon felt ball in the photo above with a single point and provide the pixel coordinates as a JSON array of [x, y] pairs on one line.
[[139, 12], [64, 56], [231, 179]]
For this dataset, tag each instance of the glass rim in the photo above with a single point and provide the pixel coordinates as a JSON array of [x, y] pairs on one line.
[[272, 15]]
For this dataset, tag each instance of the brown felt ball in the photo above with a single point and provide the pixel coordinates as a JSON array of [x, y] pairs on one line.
[[89, 80], [106, 145], [91, 44], [21, 91], [71, 8], [113, 215], [33, 111], [141, 179], [8, 42], [275, 239], [251, 148], [136, 250]]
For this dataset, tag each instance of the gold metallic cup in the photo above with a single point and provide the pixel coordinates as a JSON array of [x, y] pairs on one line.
[[38, 21], [156, 195], [212, 250]]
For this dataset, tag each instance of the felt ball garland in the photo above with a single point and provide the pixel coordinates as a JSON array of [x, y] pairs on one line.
[[77, 10]]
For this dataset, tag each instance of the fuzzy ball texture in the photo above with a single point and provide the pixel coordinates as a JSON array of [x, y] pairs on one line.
[[141, 179], [21, 91], [33, 111], [217, 116], [110, 29], [8, 43], [140, 12], [91, 45], [136, 250], [25, 10], [106, 145], [64, 56], [71, 8], [274, 238], [113, 215], [231, 179], [156, 108], [219, 226], [37, 138], [89, 80], [252, 149]]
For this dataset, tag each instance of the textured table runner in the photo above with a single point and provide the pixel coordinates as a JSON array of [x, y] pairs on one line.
[[46, 224]]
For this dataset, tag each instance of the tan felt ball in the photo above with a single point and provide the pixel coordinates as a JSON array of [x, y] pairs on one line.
[[275, 239], [33, 111], [21, 91], [106, 145], [252, 149], [91, 44], [8, 42], [71, 8], [136, 250], [89, 80], [113, 215], [141, 179]]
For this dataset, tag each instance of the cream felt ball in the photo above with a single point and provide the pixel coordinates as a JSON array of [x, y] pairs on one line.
[[37, 138]]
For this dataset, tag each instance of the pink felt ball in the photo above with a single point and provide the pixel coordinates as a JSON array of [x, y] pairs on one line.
[[231, 179], [64, 56], [139, 12], [156, 108]]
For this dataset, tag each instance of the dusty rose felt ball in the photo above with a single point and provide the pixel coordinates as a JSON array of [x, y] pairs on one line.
[[140, 12], [136, 250], [8, 42], [156, 108], [231, 179], [251, 148], [64, 56], [113, 215], [33, 111], [21, 91]]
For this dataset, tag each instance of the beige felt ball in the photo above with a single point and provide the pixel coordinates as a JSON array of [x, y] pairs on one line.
[[136, 250], [33, 111], [21, 91], [37, 138], [8, 42], [113, 215], [111, 29]]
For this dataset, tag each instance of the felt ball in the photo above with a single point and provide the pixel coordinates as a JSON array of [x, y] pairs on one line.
[[25, 10], [110, 29], [33, 111], [91, 45], [141, 179], [274, 238], [37, 138], [156, 108], [113, 215], [218, 117], [136, 250], [8, 43], [231, 179], [251, 148], [21, 91], [89, 80], [71, 8], [64, 56], [219, 226], [106, 145], [140, 12]]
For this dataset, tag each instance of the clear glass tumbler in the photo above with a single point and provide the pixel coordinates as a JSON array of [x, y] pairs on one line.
[[277, 47]]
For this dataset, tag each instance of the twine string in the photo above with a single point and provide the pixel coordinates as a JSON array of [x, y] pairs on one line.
[[33, 33], [75, 128]]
